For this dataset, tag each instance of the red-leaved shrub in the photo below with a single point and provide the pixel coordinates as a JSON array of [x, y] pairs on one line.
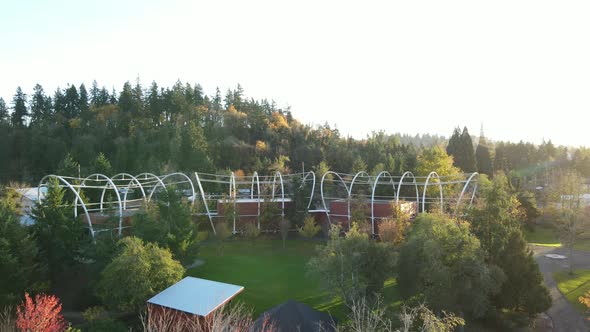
[[41, 315]]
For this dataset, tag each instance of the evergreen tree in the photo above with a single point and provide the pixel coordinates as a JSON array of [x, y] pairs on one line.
[[154, 104], [495, 222], [59, 105], [58, 235], [71, 103], [102, 165], [19, 108], [40, 108], [4, 116], [84, 106], [467, 160], [454, 144], [482, 156], [461, 148], [19, 265]]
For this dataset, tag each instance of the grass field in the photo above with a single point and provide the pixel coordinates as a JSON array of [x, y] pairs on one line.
[[271, 275], [542, 236], [549, 237], [573, 286]]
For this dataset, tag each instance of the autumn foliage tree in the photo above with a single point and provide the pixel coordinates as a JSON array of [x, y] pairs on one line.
[[43, 314]]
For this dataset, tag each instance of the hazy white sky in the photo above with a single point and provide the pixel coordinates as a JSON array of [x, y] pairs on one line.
[[520, 67]]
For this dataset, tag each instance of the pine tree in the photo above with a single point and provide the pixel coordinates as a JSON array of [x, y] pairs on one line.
[[72, 103], [154, 104], [482, 156], [40, 107], [4, 116], [59, 104], [467, 160], [84, 107], [461, 148], [454, 142], [19, 108]]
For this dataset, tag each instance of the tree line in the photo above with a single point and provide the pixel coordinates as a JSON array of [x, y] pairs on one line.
[[181, 128]]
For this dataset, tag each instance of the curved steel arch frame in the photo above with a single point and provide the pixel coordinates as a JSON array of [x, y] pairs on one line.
[[312, 186], [274, 180], [399, 186], [133, 179], [326, 210], [113, 186], [383, 173], [152, 176], [75, 192], [426, 188], [165, 188], [202, 192], [256, 179], [465, 189], [356, 176]]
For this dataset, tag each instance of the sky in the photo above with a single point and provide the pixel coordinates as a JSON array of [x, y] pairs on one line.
[[520, 68]]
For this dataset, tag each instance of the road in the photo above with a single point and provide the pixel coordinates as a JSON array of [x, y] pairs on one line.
[[564, 316]]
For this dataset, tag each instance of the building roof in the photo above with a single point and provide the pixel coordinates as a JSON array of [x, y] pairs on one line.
[[196, 296], [32, 193], [293, 316]]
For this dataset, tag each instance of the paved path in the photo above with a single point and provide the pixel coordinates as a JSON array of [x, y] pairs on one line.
[[564, 316]]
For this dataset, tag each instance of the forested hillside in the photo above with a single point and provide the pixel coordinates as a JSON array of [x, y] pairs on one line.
[[161, 129]]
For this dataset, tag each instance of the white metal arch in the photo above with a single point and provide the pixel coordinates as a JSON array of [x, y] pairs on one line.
[[383, 173], [465, 189], [348, 201], [133, 179], [312, 186], [326, 210], [114, 187], [151, 176], [232, 186], [193, 194], [399, 186], [256, 179], [274, 180], [204, 201], [233, 196], [426, 187], [73, 190]]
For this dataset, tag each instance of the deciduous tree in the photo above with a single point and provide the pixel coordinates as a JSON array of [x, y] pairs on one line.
[[140, 271]]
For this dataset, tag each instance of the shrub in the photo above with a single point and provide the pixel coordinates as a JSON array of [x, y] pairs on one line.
[[443, 262], [19, 266], [371, 316], [309, 228], [234, 317], [391, 231], [137, 273], [58, 235], [98, 320], [95, 313], [269, 213], [352, 266], [251, 232], [585, 299], [42, 315], [7, 320], [169, 223]]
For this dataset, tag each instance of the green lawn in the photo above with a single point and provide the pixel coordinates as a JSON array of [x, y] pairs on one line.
[[549, 237], [542, 236], [271, 275], [573, 286]]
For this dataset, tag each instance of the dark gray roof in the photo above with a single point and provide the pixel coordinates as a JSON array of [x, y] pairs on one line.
[[293, 316]]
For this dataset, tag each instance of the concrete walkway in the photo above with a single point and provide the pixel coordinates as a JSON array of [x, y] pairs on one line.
[[564, 316]]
